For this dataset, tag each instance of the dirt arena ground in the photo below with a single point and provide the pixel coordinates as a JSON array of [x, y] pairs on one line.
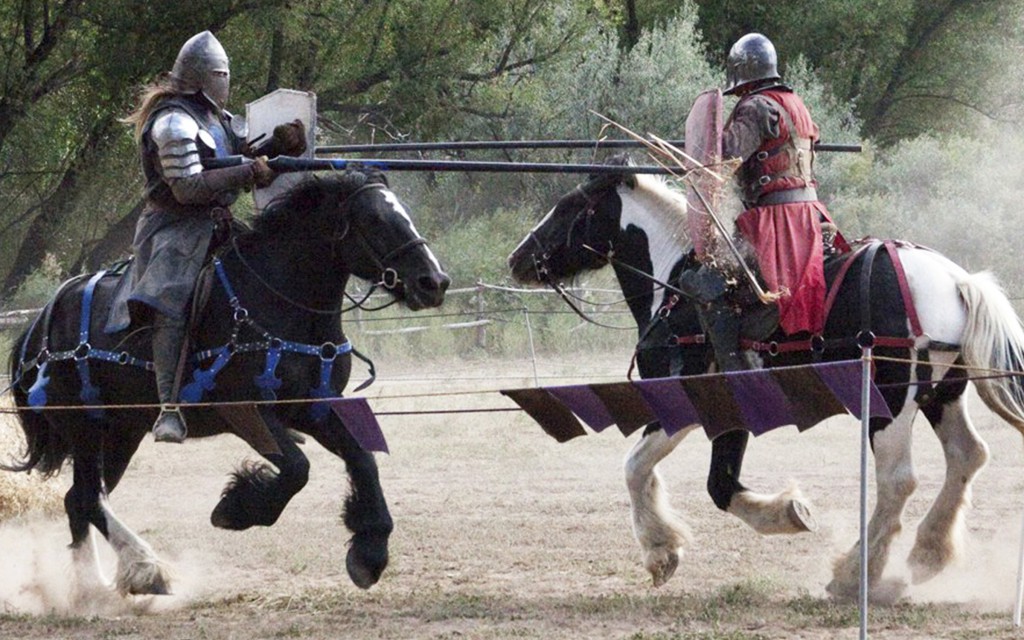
[[503, 533]]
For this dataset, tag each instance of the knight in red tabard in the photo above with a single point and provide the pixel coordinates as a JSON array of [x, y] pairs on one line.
[[771, 132]]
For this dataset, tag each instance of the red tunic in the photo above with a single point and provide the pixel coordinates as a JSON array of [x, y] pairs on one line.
[[786, 237]]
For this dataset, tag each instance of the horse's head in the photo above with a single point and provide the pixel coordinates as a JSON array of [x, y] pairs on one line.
[[383, 246], [364, 230], [575, 236]]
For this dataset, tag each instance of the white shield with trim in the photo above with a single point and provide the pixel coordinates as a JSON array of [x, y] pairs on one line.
[[703, 190], [279, 107]]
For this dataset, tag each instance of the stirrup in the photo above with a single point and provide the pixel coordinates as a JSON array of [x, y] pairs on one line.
[[170, 425]]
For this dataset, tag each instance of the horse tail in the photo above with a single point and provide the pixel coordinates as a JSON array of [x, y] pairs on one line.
[[993, 345], [45, 451]]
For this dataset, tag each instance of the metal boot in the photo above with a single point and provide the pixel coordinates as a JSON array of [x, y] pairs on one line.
[[168, 337], [721, 321], [722, 326]]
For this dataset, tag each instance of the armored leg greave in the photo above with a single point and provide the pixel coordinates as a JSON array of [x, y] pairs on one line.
[[722, 326], [168, 338], [720, 319]]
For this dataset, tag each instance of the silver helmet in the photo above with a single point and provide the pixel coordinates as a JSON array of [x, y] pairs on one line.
[[752, 58], [202, 65]]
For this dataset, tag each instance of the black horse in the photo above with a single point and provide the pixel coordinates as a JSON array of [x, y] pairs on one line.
[[267, 326], [934, 318]]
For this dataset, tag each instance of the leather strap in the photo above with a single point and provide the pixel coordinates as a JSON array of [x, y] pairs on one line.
[[908, 300], [786, 196]]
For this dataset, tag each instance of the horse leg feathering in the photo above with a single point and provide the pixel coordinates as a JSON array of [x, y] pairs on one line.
[[661, 532]]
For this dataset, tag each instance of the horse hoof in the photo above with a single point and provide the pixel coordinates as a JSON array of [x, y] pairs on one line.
[[884, 593], [887, 592], [143, 579], [920, 573], [161, 589], [361, 573], [662, 565], [226, 515], [842, 592], [666, 571], [926, 562], [801, 518]]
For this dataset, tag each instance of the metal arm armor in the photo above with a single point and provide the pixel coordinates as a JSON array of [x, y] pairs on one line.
[[175, 132]]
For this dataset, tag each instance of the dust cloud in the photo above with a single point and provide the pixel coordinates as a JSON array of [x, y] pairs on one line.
[[39, 576], [984, 578]]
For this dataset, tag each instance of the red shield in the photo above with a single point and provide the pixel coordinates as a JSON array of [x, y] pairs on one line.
[[704, 145]]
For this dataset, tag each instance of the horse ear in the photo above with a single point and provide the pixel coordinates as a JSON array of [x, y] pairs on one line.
[[308, 194], [377, 177], [602, 181]]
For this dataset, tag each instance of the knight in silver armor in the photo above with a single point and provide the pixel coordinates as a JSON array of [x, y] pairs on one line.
[[202, 66], [180, 120]]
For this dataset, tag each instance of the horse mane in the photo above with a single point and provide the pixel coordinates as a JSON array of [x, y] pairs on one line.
[[311, 195], [667, 200], [665, 203]]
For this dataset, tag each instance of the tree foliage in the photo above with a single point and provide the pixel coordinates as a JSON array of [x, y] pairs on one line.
[[910, 66], [907, 75]]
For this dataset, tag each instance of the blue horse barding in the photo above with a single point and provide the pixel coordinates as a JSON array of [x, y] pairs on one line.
[[268, 327]]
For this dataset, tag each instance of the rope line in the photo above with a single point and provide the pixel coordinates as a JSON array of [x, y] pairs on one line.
[[991, 374], [444, 411], [230, 403]]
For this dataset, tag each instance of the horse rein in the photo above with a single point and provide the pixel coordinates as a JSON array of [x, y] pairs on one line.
[[389, 278], [544, 274], [269, 287]]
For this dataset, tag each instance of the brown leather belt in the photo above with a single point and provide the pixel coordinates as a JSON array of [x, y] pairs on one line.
[[786, 196]]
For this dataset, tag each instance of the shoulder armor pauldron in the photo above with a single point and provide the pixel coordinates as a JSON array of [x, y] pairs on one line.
[[238, 124], [175, 133]]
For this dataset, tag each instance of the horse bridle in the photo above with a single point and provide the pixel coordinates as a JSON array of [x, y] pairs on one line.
[[585, 212], [608, 256], [389, 278]]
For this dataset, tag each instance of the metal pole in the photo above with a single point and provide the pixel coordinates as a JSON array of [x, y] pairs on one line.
[[865, 424], [287, 164], [1020, 580], [533, 353], [481, 145], [481, 330]]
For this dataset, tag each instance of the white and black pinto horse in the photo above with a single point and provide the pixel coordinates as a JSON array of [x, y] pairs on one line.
[[963, 322], [270, 329]]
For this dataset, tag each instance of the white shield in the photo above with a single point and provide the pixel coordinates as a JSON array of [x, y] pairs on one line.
[[279, 107], [704, 145]]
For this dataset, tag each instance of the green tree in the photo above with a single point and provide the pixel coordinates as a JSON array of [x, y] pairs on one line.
[[909, 66]]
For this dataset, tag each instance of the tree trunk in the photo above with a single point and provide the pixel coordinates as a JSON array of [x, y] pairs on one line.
[[631, 28], [54, 209], [276, 55], [114, 245]]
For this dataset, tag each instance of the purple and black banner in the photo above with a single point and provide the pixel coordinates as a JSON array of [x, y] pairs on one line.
[[757, 401]]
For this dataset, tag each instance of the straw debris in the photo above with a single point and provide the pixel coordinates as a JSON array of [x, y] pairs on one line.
[[22, 493]]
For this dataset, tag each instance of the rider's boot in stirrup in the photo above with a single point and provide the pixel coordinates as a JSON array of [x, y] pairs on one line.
[[722, 326], [168, 336]]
